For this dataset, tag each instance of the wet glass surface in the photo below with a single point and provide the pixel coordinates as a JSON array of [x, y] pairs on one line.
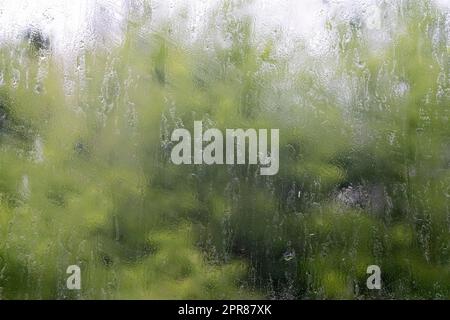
[[94, 206]]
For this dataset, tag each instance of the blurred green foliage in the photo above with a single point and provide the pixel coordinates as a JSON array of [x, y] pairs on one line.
[[86, 178]]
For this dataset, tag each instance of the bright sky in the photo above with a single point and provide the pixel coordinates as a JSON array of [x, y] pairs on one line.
[[69, 21]]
